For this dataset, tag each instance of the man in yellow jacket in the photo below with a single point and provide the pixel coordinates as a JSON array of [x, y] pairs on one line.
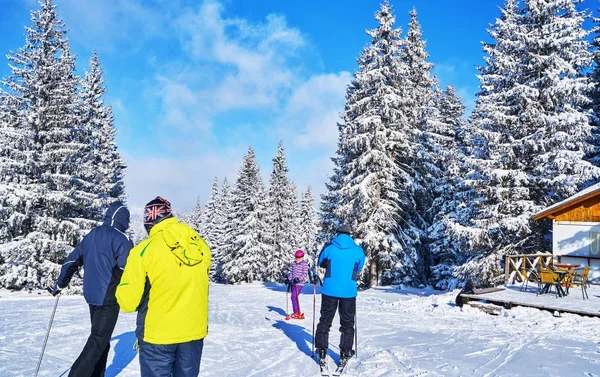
[[166, 281]]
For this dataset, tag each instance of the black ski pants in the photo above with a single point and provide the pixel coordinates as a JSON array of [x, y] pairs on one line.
[[92, 360], [347, 311]]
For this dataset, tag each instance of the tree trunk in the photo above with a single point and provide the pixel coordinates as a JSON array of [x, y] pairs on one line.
[[373, 274]]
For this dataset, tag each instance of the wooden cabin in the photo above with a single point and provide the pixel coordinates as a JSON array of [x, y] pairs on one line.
[[576, 230]]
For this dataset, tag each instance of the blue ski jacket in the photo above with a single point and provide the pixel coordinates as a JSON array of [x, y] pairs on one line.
[[343, 259], [103, 253]]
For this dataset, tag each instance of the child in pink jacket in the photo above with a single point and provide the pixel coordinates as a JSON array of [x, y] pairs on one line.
[[296, 279]]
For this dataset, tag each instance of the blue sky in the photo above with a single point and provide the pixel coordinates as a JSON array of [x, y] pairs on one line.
[[193, 84]]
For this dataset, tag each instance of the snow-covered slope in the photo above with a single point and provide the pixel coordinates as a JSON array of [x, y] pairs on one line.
[[401, 332]]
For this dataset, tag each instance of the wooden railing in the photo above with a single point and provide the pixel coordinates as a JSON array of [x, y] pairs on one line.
[[517, 267]]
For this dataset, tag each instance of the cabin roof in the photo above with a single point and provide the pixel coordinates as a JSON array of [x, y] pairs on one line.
[[590, 192]]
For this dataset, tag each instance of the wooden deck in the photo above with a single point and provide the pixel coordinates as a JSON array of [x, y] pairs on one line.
[[510, 295]]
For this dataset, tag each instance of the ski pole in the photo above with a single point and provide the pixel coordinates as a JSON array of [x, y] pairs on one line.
[[287, 290], [355, 333], [37, 369], [313, 333]]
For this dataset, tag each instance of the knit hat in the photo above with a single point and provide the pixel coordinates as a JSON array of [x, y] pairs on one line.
[[155, 211], [299, 254], [344, 229]]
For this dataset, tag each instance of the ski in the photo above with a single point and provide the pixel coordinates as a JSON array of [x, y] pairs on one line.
[[275, 318], [341, 367], [286, 318]]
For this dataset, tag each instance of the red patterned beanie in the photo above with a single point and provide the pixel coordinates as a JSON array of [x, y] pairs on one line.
[[155, 211]]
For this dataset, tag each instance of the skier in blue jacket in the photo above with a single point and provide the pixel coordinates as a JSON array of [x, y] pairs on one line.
[[103, 253], [342, 259]]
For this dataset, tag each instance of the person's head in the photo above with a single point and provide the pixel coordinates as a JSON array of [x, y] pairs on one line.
[[117, 215], [299, 254], [156, 211], [344, 229]]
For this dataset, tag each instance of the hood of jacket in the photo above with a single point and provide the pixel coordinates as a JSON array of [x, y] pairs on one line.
[[343, 241], [183, 241], [117, 216]]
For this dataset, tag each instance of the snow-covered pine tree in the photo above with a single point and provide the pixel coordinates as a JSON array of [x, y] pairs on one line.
[[594, 94], [209, 217], [222, 251], [280, 219], [375, 195], [421, 84], [537, 141], [308, 227], [102, 167], [423, 116], [494, 107], [330, 200], [40, 198], [194, 219], [446, 127], [248, 252], [295, 231]]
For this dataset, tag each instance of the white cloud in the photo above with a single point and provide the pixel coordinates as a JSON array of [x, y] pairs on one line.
[[252, 60], [181, 181], [105, 24], [214, 65], [313, 110]]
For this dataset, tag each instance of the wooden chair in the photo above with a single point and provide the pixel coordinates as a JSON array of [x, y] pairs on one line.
[[531, 275], [581, 279], [547, 276]]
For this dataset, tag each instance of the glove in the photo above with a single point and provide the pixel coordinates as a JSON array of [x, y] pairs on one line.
[[56, 290], [324, 263], [296, 280]]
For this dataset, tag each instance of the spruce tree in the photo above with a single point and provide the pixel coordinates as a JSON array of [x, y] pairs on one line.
[[328, 219], [209, 218], [194, 219], [222, 251], [41, 200], [376, 192], [594, 95], [308, 227], [447, 129], [248, 252], [280, 218], [535, 132], [101, 164]]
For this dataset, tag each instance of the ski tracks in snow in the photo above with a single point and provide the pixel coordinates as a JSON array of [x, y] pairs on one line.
[[503, 356]]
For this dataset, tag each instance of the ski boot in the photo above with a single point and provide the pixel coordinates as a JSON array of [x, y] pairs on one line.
[[346, 353], [322, 357]]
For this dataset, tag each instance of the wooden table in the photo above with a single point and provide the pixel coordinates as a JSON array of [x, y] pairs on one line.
[[566, 265], [569, 268]]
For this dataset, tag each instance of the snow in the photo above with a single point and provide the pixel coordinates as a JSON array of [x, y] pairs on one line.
[[401, 332]]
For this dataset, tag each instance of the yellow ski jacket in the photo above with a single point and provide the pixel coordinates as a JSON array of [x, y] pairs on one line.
[[166, 281]]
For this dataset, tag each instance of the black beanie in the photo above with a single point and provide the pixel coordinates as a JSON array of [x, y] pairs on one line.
[[155, 211], [344, 229]]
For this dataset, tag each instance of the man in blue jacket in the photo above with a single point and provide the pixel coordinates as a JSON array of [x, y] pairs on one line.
[[103, 253], [342, 259]]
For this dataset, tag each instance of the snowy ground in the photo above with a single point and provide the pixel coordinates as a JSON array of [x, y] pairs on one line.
[[404, 332]]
